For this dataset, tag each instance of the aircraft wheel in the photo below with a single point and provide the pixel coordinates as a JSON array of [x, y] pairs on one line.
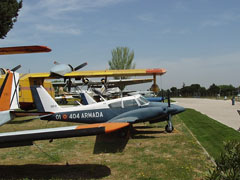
[[168, 129]]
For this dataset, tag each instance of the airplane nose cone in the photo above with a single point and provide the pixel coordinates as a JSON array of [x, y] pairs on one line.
[[177, 109], [180, 109]]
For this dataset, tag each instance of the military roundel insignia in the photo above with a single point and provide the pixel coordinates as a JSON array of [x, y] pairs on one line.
[[64, 116]]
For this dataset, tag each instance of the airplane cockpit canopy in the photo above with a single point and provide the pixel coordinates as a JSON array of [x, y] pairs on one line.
[[139, 101], [142, 101]]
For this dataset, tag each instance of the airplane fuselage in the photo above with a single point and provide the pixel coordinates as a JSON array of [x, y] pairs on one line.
[[90, 114]]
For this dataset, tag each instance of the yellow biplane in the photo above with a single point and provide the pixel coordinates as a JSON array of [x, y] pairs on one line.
[[67, 72]]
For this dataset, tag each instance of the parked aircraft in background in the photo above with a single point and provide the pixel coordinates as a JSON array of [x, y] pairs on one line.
[[9, 98], [131, 109], [67, 73], [9, 92], [109, 89]]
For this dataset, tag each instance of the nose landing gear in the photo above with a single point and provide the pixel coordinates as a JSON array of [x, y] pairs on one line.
[[169, 127]]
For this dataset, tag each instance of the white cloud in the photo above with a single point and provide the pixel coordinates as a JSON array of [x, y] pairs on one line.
[[55, 8], [58, 29]]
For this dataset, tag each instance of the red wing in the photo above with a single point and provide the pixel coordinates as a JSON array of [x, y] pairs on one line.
[[23, 50]]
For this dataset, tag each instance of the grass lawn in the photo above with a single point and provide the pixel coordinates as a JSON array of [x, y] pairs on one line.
[[210, 133], [150, 154]]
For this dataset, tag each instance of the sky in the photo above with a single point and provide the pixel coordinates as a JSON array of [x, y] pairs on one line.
[[196, 41]]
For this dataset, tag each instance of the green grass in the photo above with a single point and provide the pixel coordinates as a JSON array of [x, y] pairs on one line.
[[150, 154], [210, 133]]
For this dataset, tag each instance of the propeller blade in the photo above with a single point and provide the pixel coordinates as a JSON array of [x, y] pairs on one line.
[[169, 102], [162, 97], [69, 85], [80, 66], [16, 68]]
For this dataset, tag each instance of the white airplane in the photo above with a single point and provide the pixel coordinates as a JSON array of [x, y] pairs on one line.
[[131, 109]]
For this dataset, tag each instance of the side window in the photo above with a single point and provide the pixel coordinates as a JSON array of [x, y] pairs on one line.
[[115, 105], [129, 103]]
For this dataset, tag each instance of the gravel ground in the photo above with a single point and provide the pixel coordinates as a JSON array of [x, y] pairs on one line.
[[220, 110]]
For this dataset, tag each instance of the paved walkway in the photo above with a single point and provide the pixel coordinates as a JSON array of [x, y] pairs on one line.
[[220, 110]]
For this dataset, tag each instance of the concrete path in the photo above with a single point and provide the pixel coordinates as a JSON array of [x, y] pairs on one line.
[[220, 110]]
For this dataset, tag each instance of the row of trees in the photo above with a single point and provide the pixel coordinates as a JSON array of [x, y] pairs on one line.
[[196, 90]]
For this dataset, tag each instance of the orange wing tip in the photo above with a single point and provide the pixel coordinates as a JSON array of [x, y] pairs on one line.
[[24, 49], [109, 127], [156, 71]]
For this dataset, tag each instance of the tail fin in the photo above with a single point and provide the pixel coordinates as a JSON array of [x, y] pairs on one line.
[[43, 101], [9, 98], [86, 98]]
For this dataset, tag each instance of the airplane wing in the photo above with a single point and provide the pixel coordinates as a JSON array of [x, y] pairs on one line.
[[124, 119], [110, 83], [23, 50], [102, 73], [26, 138], [113, 73]]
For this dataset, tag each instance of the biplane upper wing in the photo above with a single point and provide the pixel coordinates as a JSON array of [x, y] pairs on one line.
[[114, 73], [103, 73], [26, 138], [23, 50]]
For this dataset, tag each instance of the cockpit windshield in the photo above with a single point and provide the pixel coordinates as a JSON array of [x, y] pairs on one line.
[[142, 101]]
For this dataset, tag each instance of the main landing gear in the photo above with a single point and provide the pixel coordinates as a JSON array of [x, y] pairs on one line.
[[169, 127]]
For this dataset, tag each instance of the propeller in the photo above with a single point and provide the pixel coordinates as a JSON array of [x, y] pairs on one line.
[[169, 127], [69, 82], [80, 66], [169, 101], [16, 68]]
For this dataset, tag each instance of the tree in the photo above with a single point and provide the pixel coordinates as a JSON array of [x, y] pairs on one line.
[[228, 164], [174, 91], [213, 90], [227, 90], [8, 15], [122, 58]]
